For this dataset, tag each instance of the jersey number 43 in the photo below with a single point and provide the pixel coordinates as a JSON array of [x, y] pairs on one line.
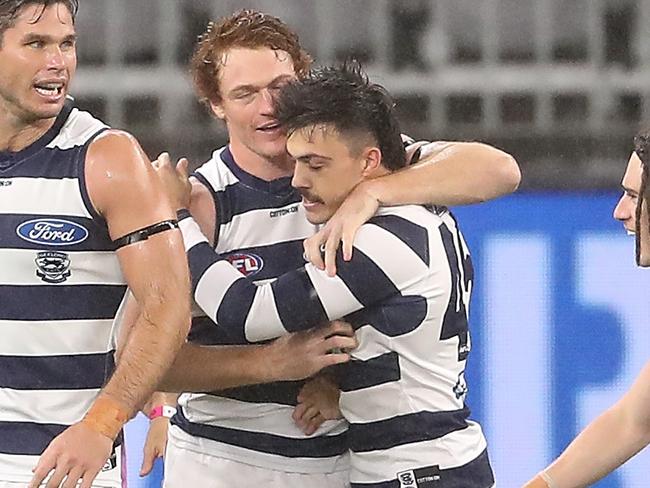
[[462, 274]]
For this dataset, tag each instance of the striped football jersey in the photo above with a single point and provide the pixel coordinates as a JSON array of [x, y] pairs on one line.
[[406, 291], [60, 290], [261, 226]]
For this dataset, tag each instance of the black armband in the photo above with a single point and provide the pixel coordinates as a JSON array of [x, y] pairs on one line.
[[145, 233]]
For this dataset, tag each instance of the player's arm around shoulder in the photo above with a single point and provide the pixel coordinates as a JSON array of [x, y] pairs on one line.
[[440, 173], [449, 173]]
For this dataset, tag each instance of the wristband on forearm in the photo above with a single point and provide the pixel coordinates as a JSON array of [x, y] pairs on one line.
[[107, 417], [166, 411]]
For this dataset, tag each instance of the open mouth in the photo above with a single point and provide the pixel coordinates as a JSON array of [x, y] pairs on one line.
[[49, 90], [308, 204], [270, 127]]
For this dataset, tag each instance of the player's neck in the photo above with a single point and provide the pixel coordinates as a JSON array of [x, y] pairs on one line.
[[378, 172], [259, 166], [16, 134]]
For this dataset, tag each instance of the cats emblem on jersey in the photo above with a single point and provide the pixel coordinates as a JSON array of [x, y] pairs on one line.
[[460, 389], [419, 478], [52, 232], [246, 264], [52, 266]]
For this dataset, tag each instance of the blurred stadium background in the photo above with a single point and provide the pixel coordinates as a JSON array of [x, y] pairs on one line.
[[560, 314]]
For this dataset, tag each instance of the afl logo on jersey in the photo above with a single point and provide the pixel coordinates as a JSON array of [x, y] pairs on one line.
[[53, 232], [52, 266], [247, 264]]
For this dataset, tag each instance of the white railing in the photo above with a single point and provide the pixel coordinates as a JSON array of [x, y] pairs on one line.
[[329, 27]]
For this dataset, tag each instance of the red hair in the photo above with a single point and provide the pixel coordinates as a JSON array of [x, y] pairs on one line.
[[243, 29]]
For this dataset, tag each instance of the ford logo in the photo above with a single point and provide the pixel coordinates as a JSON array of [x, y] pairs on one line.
[[53, 232], [247, 264]]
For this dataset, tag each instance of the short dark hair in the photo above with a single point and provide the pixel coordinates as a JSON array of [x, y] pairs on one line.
[[642, 149], [342, 97], [244, 29], [11, 9]]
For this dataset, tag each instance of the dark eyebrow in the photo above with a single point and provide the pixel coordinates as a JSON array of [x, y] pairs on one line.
[[33, 36], [242, 88], [280, 78], [309, 156]]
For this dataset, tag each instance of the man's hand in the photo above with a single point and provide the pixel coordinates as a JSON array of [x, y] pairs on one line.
[[175, 180], [303, 354], [77, 454], [359, 207], [318, 401], [155, 445]]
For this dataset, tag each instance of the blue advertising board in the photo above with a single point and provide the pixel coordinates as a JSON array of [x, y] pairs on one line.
[[561, 323]]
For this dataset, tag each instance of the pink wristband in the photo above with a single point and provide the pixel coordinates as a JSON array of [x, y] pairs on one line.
[[162, 411]]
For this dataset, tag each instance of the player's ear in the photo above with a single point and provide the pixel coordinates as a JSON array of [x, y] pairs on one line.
[[217, 110], [371, 160]]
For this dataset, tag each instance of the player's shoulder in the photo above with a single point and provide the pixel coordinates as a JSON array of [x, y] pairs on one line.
[[115, 163], [418, 149], [397, 235], [215, 160], [215, 174], [118, 137], [405, 222], [421, 215], [77, 129], [116, 149]]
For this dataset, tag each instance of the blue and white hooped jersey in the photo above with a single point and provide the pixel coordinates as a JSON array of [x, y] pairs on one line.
[[60, 290], [406, 292], [261, 229]]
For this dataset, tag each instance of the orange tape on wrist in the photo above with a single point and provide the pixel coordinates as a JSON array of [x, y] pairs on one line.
[[107, 417]]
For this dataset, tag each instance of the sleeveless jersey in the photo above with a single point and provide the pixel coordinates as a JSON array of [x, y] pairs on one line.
[[261, 226], [60, 290]]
